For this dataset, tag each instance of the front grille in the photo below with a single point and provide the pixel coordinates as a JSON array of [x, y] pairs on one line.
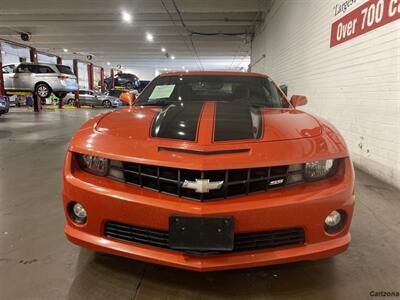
[[242, 242], [236, 182]]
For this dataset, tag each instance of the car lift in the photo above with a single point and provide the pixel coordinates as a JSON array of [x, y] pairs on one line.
[[37, 106], [90, 70]]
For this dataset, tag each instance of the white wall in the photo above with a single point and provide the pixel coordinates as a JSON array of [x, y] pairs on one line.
[[12, 54], [355, 85], [42, 58]]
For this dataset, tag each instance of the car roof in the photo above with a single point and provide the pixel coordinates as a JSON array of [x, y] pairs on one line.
[[38, 63], [213, 73]]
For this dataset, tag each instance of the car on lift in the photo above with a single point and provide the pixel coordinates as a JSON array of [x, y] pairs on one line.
[[41, 79], [89, 98], [127, 80], [210, 171], [4, 104]]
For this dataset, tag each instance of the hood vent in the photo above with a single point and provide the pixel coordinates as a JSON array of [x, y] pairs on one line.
[[199, 152]]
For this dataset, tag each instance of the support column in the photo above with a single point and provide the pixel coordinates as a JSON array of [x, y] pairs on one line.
[[90, 75], [33, 55], [112, 79], [2, 91], [75, 67], [102, 80], [37, 103], [60, 100]]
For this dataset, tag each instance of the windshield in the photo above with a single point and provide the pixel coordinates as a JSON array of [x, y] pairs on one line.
[[257, 91]]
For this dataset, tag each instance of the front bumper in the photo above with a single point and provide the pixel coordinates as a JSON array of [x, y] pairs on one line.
[[304, 206]]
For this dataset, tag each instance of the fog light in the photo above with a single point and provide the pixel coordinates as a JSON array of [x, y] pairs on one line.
[[78, 213], [335, 221]]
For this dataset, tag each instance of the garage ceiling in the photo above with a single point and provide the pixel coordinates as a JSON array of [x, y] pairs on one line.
[[96, 27]]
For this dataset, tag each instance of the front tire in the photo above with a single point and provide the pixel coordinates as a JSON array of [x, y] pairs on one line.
[[43, 90], [107, 104], [129, 85]]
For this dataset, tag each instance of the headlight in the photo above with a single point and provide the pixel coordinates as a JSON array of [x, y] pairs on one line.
[[93, 164], [318, 169]]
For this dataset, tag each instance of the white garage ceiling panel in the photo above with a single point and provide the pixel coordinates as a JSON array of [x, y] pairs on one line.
[[96, 27]]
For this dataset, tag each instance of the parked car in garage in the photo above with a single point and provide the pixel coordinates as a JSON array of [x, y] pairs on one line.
[[143, 84], [41, 79], [4, 104], [210, 171], [118, 92], [130, 81], [89, 98]]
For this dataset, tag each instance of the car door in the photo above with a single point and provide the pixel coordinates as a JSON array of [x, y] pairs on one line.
[[23, 77], [92, 98], [82, 98], [8, 76]]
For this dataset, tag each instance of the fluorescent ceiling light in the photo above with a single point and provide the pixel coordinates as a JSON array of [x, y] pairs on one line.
[[65, 50], [149, 37], [163, 49], [172, 57], [126, 17], [108, 63]]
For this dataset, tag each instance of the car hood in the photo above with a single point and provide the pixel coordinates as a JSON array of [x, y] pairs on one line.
[[209, 136], [209, 123]]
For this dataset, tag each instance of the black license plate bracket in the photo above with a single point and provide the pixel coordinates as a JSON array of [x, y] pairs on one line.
[[201, 233]]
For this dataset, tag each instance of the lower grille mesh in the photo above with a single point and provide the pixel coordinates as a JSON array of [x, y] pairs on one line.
[[242, 242]]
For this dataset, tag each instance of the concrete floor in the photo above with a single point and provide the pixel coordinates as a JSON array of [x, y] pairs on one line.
[[37, 262]]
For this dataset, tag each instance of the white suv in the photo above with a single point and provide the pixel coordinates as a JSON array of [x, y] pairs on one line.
[[41, 79]]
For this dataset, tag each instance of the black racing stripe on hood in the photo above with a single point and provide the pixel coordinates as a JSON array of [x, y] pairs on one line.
[[237, 121], [178, 121]]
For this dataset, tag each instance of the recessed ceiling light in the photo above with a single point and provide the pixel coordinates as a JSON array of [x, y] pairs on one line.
[[126, 17], [163, 49], [172, 57], [149, 37], [186, 71], [108, 63], [65, 50], [183, 67]]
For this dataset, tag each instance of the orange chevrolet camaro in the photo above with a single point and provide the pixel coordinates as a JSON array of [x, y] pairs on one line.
[[210, 171]]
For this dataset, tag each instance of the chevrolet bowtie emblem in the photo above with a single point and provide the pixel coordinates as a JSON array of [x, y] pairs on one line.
[[202, 185]]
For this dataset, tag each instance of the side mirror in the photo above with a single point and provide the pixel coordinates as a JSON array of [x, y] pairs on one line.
[[297, 100], [128, 98]]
